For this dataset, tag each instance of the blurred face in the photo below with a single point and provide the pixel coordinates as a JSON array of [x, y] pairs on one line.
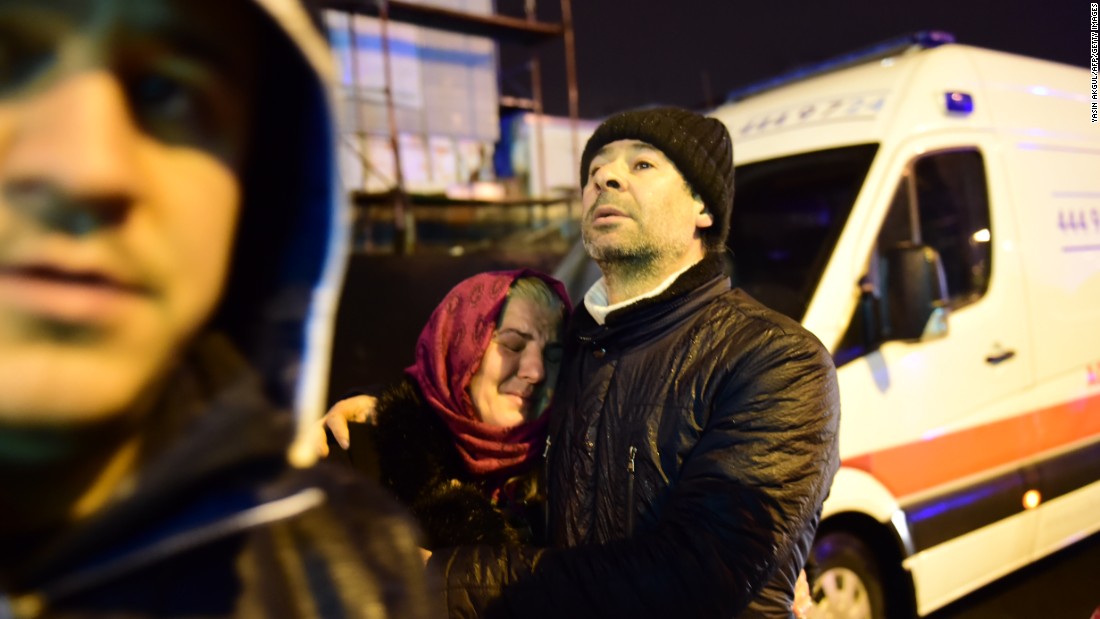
[[122, 130], [519, 366], [639, 209]]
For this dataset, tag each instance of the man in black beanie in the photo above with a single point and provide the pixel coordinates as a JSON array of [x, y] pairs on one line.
[[694, 435]]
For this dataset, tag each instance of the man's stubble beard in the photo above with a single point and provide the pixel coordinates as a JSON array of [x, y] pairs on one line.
[[640, 255], [634, 259]]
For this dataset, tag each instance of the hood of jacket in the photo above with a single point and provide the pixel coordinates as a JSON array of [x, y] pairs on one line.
[[280, 299]]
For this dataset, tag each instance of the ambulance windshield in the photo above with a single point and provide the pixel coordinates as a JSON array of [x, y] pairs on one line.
[[787, 216]]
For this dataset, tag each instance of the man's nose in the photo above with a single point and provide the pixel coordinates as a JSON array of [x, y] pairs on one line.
[[74, 148], [608, 176]]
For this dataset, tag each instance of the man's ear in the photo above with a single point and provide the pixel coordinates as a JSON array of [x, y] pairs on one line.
[[703, 218]]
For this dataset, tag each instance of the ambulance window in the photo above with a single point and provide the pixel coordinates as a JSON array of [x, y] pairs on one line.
[[942, 202], [898, 225], [790, 212], [953, 206]]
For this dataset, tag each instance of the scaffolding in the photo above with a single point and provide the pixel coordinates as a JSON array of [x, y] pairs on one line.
[[528, 32]]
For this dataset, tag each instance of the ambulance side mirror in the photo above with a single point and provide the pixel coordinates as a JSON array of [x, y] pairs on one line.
[[915, 300]]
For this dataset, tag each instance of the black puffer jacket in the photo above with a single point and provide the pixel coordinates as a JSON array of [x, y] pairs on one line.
[[696, 445], [411, 452]]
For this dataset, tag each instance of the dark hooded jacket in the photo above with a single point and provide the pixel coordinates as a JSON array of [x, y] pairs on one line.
[[224, 516], [220, 526], [686, 472]]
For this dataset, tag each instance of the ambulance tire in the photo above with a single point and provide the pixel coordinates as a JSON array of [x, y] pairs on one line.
[[846, 578]]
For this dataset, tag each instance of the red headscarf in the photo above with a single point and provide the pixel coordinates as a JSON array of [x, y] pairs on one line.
[[448, 354]]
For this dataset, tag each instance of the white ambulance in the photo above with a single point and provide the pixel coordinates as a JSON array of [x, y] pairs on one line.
[[933, 216]]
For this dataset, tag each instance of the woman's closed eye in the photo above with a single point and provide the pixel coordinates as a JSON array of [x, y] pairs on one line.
[[512, 342]]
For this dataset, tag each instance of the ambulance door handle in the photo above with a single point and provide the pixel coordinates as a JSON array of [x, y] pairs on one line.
[[999, 355]]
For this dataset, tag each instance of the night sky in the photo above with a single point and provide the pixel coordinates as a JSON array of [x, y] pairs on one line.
[[691, 53]]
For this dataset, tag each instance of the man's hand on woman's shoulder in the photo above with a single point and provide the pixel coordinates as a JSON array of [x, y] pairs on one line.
[[358, 409]]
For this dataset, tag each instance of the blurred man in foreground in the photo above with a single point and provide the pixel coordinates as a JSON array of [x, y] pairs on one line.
[[169, 263]]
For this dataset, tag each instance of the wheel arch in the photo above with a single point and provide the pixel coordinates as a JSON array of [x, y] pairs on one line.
[[861, 506], [857, 493]]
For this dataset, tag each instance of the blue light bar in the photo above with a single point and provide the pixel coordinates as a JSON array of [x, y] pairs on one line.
[[925, 39], [958, 102]]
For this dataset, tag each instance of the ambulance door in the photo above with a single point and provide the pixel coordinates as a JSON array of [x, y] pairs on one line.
[[939, 403]]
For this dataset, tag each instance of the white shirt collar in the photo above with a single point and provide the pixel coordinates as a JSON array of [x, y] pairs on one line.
[[595, 300]]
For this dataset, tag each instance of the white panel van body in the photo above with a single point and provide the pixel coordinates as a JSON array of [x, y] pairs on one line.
[[970, 420]]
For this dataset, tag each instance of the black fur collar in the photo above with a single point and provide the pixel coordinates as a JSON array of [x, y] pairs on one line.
[[411, 452]]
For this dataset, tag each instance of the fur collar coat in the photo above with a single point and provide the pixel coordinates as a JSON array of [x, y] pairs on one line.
[[409, 449]]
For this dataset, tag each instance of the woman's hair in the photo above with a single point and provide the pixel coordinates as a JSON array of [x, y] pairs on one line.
[[536, 291]]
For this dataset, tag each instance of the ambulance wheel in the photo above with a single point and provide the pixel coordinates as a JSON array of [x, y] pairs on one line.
[[847, 585]]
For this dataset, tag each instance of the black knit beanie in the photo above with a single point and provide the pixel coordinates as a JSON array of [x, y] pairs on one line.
[[700, 147]]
